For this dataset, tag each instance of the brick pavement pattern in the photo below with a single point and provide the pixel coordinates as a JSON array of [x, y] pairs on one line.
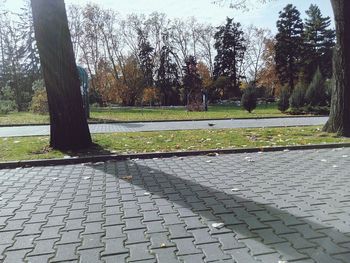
[[276, 207], [171, 125]]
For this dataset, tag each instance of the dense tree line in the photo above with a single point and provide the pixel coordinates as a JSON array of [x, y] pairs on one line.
[[303, 57], [141, 60]]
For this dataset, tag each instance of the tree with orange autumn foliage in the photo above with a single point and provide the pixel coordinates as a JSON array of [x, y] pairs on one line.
[[205, 75], [267, 76]]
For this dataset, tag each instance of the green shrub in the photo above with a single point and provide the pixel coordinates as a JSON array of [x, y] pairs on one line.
[[7, 101], [316, 94], [7, 106], [315, 110], [283, 102], [249, 98], [39, 101], [297, 99]]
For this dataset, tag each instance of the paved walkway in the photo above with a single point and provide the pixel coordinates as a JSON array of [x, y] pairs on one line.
[[243, 208], [172, 125]]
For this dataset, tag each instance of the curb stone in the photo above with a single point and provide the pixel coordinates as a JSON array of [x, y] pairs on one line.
[[116, 157]]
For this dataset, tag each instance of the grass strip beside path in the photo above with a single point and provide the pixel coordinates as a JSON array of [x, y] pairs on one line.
[[30, 148], [99, 115]]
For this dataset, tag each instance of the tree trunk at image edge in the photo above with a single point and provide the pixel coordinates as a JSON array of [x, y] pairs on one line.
[[68, 124], [339, 119]]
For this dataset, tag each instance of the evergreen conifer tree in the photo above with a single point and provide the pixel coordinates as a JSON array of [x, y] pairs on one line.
[[289, 43], [192, 81], [319, 43], [249, 98], [316, 94], [230, 47]]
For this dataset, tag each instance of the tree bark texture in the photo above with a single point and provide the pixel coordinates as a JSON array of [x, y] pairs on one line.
[[339, 119], [68, 124]]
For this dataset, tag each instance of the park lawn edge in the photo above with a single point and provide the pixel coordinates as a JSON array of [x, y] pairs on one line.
[[110, 115], [36, 147]]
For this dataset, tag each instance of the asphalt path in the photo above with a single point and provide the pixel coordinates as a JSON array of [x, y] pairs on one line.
[[42, 130]]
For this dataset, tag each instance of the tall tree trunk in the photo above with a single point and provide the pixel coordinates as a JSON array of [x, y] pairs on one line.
[[68, 124], [339, 119]]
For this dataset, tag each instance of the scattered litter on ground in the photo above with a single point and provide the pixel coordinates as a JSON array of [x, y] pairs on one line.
[[249, 159], [218, 225]]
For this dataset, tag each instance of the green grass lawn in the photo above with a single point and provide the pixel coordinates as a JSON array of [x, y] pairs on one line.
[[214, 112], [150, 114], [26, 148], [15, 118]]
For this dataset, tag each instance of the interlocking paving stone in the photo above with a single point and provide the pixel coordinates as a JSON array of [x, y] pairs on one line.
[[192, 258], [90, 241], [298, 242], [39, 258], [320, 256], [202, 236], [43, 247], [165, 255], [283, 209], [160, 240], [7, 237], [15, 256], [213, 252], [114, 246], [139, 252], [91, 255], [256, 247], [65, 253], [241, 255], [186, 246]]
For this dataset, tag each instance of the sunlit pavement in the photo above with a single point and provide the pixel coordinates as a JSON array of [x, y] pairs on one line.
[[171, 125], [261, 207]]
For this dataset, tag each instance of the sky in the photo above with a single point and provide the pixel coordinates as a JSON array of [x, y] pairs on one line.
[[260, 15]]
